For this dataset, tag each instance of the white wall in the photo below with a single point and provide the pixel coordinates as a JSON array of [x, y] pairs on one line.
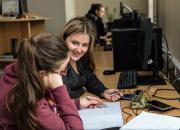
[[82, 6], [60, 11], [169, 20], [69, 9], [55, 9]]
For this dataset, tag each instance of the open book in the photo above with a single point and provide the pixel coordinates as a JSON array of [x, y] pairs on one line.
[[105, 116]]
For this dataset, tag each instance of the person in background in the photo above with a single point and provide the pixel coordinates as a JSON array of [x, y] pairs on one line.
[[32, 93], [95, 14], [79, 36]]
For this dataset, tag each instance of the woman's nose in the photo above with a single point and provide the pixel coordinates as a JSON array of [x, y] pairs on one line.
[[79, 49]]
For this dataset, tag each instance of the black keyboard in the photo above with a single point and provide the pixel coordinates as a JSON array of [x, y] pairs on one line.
[[127, 80]]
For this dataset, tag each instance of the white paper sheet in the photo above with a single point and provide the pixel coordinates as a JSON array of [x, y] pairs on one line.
[[107, 116], [151, 121]]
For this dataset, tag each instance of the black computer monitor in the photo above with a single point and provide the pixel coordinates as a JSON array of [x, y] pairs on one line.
[[144, 42], [139, 49], [149, 53], [23, 6]]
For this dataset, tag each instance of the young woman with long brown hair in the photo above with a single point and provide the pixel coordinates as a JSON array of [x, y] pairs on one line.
[[32, 93], [79, 35]]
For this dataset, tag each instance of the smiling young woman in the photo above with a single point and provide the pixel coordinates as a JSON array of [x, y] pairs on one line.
[[79, 36]]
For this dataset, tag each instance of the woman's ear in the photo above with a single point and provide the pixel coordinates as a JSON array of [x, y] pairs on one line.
[[42, 73]]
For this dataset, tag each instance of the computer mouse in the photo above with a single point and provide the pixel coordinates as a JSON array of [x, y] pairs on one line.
[[109, 72]]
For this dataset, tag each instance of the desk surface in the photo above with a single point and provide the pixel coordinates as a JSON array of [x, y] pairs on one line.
[[111, 81]]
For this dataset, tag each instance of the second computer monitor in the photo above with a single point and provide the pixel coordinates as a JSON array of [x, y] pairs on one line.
[[134, 48], [149, 46]]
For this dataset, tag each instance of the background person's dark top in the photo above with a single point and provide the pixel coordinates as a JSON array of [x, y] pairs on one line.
[[97, 21], [77, 84]]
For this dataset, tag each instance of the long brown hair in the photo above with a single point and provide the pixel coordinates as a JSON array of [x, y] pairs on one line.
[[41, 52], [81, 25]]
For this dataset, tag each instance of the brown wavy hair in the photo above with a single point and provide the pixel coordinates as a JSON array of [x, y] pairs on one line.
[[40, 52], [82, 25]]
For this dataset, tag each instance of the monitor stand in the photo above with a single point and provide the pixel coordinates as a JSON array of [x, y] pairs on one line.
[[150, 80]]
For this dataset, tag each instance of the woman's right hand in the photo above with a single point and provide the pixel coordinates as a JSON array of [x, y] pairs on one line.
[[52, 80], [89, 102]]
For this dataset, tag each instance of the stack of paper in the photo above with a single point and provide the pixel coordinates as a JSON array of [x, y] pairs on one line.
[[108, 115], [151, 121]]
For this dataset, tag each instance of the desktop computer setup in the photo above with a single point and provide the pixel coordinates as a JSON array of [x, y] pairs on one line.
[[137, 46], [138, 49]]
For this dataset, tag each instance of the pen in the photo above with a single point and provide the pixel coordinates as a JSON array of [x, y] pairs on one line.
[[113, 94]]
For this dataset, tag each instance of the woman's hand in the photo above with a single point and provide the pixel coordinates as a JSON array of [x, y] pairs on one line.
[[108, 34], [112, 94], [89, 102], [51, 80]]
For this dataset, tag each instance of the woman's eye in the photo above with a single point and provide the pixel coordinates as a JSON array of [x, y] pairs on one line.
[[86, 45], [75, 43]]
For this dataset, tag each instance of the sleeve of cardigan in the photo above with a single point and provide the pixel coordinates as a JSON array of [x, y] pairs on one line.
[[94, 85], [69, 117], [73, 93]]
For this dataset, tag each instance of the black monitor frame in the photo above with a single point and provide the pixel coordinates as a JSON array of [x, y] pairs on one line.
[[149, 54], [144, 42], [23, 6]]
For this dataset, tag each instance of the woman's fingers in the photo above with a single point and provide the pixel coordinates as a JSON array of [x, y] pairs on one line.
[[94, 99]]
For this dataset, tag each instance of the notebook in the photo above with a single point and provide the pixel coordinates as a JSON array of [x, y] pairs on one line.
[[105, 116]]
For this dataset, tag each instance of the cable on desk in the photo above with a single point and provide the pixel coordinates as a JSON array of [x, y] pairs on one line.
[[154, 95], [149, 97], [167, 54], [148, 89], [177, 79], [176, 108], [135, 112], [129, 115]]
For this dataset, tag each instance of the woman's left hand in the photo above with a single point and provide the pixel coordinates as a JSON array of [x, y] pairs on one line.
[[89, 102], [112, 94]]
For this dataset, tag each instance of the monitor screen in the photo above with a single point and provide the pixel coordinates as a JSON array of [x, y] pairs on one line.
[[10, 7], [13, 7]]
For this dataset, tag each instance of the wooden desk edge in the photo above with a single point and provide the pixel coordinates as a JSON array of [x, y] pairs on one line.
[[23, 20]]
